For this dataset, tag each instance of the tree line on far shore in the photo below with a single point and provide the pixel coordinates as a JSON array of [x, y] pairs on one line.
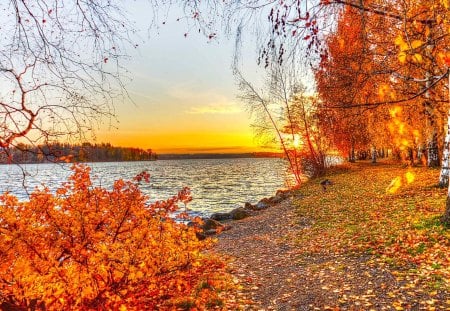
[[85, 152]]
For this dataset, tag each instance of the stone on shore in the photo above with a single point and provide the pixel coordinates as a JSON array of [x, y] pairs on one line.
[[221, 216], [284, 193], [211, 227], [239, 213], [276, 199], [248, 206], [263, 204], [210, 224]]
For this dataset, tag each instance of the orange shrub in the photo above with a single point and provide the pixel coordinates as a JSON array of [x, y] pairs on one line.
[[87, 247]]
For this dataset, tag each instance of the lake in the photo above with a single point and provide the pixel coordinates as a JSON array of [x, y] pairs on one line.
[[217, 185]]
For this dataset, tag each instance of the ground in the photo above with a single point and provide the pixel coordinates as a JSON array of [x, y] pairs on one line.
[[371, 241]]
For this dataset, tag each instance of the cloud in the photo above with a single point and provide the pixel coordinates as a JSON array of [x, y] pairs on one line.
[[221, 108]]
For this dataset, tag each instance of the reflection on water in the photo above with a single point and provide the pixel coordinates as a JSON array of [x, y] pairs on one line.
[[216, 184]]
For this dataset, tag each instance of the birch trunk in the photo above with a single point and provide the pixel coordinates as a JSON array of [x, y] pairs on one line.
[[444, 175], [430, 112]]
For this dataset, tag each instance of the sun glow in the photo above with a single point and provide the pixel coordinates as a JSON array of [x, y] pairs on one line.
[[404, 135], [400, 181], [296, 143]]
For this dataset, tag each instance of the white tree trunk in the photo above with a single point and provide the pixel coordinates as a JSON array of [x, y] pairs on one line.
[[443, 177], [446, 216], [430, 112]]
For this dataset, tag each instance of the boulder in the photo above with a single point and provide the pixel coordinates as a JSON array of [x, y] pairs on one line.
[[262, 204], [284, 194], [221, 216], [276, 199], [210, 232], [239, 213], [251, 208], [211, 227], [210, 224], [248, 206]]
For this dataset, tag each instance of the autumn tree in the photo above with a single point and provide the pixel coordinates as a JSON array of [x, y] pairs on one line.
[[288, 28], [313, 142], [90, 248], [342, 84], [285, 112]]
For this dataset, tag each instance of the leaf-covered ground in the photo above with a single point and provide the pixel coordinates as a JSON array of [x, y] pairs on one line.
[[372, 241]]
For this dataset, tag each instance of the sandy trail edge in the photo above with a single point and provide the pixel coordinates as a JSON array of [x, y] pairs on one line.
[[276, 276]]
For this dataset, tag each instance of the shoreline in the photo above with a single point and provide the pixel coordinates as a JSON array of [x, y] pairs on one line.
[[293, 255]]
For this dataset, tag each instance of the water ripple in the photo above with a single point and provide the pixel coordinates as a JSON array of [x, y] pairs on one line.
[[216, 184]]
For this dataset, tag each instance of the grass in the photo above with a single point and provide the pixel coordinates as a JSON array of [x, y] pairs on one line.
[[386, 210]]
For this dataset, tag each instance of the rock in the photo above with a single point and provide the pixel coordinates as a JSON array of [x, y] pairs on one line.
[[251, 208], [248, 206], [211, 227], [262, 204], [210, 232], [221, 216], [284, 194], [239, 213], [209, 224], [276, 199]]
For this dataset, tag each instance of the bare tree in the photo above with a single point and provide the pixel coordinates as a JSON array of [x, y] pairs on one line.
[[284, 111], [59, 67]]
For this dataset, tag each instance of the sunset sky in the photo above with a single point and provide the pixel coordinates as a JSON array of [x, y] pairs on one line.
[[184, 94]]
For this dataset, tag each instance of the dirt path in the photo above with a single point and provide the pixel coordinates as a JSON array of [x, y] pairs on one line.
[[266, 261]]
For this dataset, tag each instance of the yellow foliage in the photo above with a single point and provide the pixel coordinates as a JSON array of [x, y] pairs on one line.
[[395, 111], [399, 40], [395, 184], [410, 177], [399, 181], [384, 91], [405, 47], [417, 58], [402, 57], [416, 44]]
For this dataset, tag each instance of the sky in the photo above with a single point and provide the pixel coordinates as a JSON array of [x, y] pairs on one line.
[[184, 96]]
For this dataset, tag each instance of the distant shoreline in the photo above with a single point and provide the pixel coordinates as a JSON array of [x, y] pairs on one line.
[[173, 156], [170, 156]]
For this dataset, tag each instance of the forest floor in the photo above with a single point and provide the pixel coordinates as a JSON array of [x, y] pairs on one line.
[[371, 241]]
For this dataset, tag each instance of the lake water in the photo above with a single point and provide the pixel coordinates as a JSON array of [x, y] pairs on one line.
[[216, 184]]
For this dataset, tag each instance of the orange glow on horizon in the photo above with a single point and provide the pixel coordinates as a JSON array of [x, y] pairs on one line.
[[188, 142], [203, 122]]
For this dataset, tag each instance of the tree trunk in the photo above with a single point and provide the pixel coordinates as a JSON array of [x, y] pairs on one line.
[[433, 155], [443, 177], [446, 217], [351, 156], [411, 156], [430, 112], [374, 155], [432, 143]]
